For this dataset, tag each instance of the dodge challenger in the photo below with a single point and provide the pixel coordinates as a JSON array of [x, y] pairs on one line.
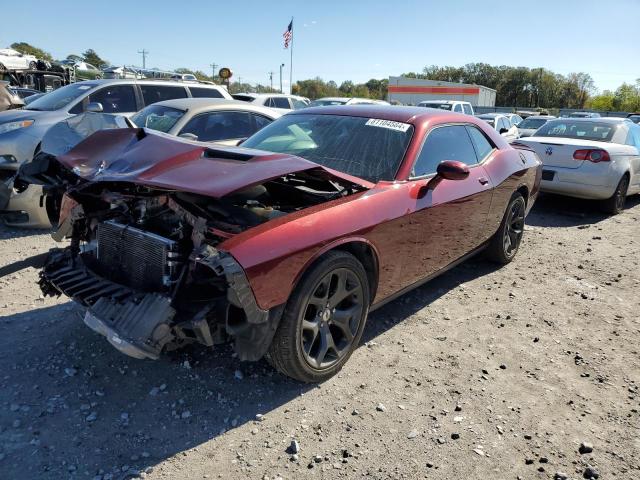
[[282, 245]]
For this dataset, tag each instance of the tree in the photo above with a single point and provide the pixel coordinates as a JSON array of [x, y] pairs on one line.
[[28, 49], [90, 56], [74, 58], [605, 101]]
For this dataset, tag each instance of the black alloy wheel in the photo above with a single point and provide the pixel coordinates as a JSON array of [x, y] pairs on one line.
[[615, 204], [505, 243]]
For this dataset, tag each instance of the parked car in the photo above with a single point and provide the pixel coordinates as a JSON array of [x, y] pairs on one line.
[[32, 98], [514, 118], [451, 105], [278, 101], [589, 158], [285, 246], [184, 77], [333, 101], [584, 115], [24, 92], [86, 71], [121, 72], [529, 125], [502, 125], [11, 59], [21, 131], [634, 117], [206, 119]]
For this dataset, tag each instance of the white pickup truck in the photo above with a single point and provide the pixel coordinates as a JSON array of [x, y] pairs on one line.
[[451, 105]]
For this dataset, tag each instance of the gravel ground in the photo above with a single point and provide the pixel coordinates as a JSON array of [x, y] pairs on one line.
[[482, 373]]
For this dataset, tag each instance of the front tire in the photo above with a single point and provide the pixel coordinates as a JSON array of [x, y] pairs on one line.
[[505, 243], [615, 204], [324, 319]]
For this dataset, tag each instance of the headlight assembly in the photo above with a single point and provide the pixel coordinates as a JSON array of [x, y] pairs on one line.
[[10, 126]]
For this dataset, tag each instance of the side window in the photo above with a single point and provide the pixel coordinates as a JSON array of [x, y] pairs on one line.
[[298, 104], [159, 93], [281, 102], [210, 127], [457, 108], [503, 123], [116, 99], [480, 142], [269, 102], [201, 92], [467, 109], [261, 122], [444, 143]]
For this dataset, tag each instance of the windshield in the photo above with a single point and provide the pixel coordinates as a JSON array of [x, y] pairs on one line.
[[441, 106], [157, 117], [532, 123], [61, 97], [490, 120], [368, 148], [324, 103], [585, 130]]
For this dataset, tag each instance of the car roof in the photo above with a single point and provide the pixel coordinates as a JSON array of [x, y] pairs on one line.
[[443, 101], [491, 115], [196, 105], [594, 119], [262, 95], [107, 81], [405, 114]]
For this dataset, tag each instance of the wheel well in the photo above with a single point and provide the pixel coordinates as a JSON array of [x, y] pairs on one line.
[[524, 191], [365, 255]]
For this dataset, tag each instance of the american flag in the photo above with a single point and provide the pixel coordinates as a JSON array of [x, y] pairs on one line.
[[288, 34]]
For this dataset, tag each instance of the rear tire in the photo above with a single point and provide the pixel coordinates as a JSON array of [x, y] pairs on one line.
[[323, 321], [615, 204], [505, 243]]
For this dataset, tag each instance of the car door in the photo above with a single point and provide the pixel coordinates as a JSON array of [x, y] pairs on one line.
[[451, 219]]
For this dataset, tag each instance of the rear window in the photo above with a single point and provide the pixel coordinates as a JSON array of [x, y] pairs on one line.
[[203, 92], [531, 123], [243, 98], [441, 106], [585, 130], [160, 93]]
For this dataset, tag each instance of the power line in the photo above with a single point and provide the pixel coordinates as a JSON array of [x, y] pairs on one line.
[[144, 53]]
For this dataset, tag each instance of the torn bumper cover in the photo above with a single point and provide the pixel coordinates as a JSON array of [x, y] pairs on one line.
[[141, 324]]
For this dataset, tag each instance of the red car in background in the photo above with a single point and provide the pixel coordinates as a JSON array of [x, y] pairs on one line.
[[283, 245]]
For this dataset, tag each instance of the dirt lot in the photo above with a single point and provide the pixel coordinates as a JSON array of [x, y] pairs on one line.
[[482, 373]]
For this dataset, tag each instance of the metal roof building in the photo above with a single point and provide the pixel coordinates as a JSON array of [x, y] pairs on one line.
[[411, 91]]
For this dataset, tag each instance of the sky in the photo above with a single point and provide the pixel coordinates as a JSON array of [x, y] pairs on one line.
[[339, 40]]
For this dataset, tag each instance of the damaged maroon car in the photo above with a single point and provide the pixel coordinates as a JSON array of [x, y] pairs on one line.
[[283, 245]]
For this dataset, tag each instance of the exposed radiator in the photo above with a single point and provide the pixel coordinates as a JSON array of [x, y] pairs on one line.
[[141, 260]]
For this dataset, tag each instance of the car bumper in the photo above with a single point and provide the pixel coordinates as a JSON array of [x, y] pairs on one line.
[[590, 181], [26, 209]]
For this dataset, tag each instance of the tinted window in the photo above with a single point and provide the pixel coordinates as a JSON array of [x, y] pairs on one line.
[[61, 97], [281, 102], [210, 127], [444, 143], [116, 99], [467, 109], [261, 121], [480, 142], [201, 92], [159, 93], [587, 130], [367, 148]]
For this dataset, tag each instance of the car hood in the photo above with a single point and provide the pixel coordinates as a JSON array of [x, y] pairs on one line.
[[158, 160], [38, 116]]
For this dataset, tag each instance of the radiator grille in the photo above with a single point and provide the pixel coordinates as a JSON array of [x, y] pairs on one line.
[[133, 257]]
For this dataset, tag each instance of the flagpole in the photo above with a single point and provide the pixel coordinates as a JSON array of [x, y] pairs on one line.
[[291, 62]]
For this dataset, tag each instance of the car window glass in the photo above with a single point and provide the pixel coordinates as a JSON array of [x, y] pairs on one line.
[[298, 104], [467, 109], [261, 121], [203, 92], [457, 108], [115, 99], [159, 93], [210, 127], [480, 142], [503, 123], [281, 102], [444, 143]]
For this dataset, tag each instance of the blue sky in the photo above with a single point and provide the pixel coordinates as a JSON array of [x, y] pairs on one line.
[[340, 40]]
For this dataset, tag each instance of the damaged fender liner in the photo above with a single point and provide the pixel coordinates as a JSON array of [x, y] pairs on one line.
[[141, 324]]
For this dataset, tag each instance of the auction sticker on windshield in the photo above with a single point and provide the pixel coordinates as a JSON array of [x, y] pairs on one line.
[[377, 122]]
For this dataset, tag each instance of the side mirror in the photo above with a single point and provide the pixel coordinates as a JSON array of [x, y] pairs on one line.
[[189, 136], [447, 170], [95, 107], [502, 131]]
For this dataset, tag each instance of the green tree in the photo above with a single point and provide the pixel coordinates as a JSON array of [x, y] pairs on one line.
[[90, 56], [28, 49], [74, 58], [627, 97], [605, 101]]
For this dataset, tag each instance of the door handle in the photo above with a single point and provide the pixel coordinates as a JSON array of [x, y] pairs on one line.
[[483, 180]]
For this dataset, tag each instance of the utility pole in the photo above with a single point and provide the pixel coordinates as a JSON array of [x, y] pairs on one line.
[[271, 79], [213, 71], [144, 53], [282, 65]]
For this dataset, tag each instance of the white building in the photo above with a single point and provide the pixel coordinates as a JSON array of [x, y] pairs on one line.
[[411, 91]]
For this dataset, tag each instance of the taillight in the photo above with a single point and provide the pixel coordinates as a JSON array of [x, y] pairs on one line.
[[595, 155]]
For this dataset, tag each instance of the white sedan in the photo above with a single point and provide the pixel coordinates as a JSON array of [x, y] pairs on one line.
[[11, 59], [502, 124], [591, 158]]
